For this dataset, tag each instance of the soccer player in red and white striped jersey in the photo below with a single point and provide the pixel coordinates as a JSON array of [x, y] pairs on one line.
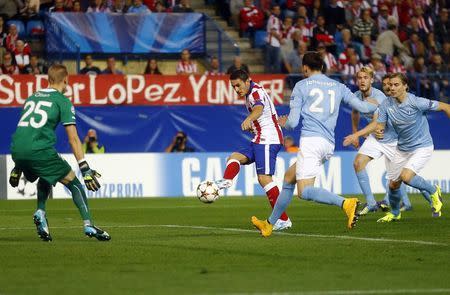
[[262, 121]]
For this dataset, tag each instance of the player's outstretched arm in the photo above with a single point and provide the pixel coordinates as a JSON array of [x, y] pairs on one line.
[[355, 123], [254, 115], [89, 176], [370, 128], [445, 107]]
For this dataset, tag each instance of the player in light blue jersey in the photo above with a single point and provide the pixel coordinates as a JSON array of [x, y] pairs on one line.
[[372, 148], [317, 99], [407, 113]]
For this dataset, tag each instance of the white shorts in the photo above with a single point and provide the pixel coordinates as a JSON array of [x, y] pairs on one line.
[[313, 152], [414, 160], [375, 149]]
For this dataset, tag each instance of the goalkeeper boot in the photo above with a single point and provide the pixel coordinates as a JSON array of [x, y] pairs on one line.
[[389, 217], [40, 220], [350, 206], [436, 202], [263, 226], [224, 183], [96, 232], [282, 225], [366, 209]]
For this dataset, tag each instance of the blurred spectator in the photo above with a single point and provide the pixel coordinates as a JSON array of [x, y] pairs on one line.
[[58, 7], [413, 27], [30, 8], [273, 42], [8, 66], [151, 4], [304, 29], [329, 61], [353, 12], [89, 69], [9, 8], [293, 63], [251, 19], [235, 9], [316, 10], [98, 6], [287, 34], [91, 145], [76, 6], [302, 12], [379, 69], [159, 7], [344, 42], [35, 67], [388, 41], [3, 32], [433, 46], [184, 6], [446, 53], [118, 7], [152, 68], [366, 49], [442, 26], [424, 23], [214, 67], [364, 26], [321, 34], [22, 54], [223, 9], [439, 79], [111, 67], [11, 38], [179, 144], [289, 145], [414, 47], [335, 16], [237, 65], [396, 65], [349, 71], [186, 66], [420, 83], [382, 18], [344, 57]]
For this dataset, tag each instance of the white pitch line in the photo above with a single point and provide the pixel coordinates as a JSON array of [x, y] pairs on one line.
[[241, 230], [351, 292]]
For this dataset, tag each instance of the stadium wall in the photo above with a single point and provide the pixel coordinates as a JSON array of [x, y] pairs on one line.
[[177, 175]]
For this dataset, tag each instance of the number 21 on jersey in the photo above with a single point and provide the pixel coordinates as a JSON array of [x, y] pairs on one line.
[[318, 96], [36, 109]]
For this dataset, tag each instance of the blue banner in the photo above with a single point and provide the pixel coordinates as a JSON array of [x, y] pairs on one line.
[[130, 33], [125, 129]]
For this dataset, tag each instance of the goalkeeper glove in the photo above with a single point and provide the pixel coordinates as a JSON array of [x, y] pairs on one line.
[[14, 177], [89, 176]]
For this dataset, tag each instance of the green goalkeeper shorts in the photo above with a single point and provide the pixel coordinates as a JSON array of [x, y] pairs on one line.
[[46, 164]]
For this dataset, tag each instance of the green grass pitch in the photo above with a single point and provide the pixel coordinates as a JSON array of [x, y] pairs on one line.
[[182, 246]]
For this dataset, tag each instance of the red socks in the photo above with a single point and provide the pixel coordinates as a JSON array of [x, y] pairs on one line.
[[272, 193], [232, 169]]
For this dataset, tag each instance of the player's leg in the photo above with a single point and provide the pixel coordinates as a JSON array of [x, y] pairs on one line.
[[314, 152], [39, 217], [79, 197], [406, 203], [286, 195], [418, 159], [233, 167], [394, 199], [359, 165]]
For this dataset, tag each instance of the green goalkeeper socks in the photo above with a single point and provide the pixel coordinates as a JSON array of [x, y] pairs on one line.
[[43, 191], [79, 198]]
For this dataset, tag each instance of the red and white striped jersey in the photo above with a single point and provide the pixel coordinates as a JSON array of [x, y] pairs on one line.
[[187, 67], [265, 128]]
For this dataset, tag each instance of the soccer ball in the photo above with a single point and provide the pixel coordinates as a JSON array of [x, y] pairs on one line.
[[207, 191]]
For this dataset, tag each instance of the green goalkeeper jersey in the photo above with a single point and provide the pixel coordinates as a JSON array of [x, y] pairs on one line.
[[41, 114]]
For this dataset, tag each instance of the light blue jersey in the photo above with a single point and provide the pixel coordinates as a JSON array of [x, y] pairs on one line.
[[389, 133], [409, 120], [317, 100]]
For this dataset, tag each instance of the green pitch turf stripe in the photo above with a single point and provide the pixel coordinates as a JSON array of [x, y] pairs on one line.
[[364, 292], [240, 230]]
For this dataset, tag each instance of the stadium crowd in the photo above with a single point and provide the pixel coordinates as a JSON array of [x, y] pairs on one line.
[[388, 35]]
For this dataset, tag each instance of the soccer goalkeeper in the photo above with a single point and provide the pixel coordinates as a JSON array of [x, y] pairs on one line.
[[34, 155]]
